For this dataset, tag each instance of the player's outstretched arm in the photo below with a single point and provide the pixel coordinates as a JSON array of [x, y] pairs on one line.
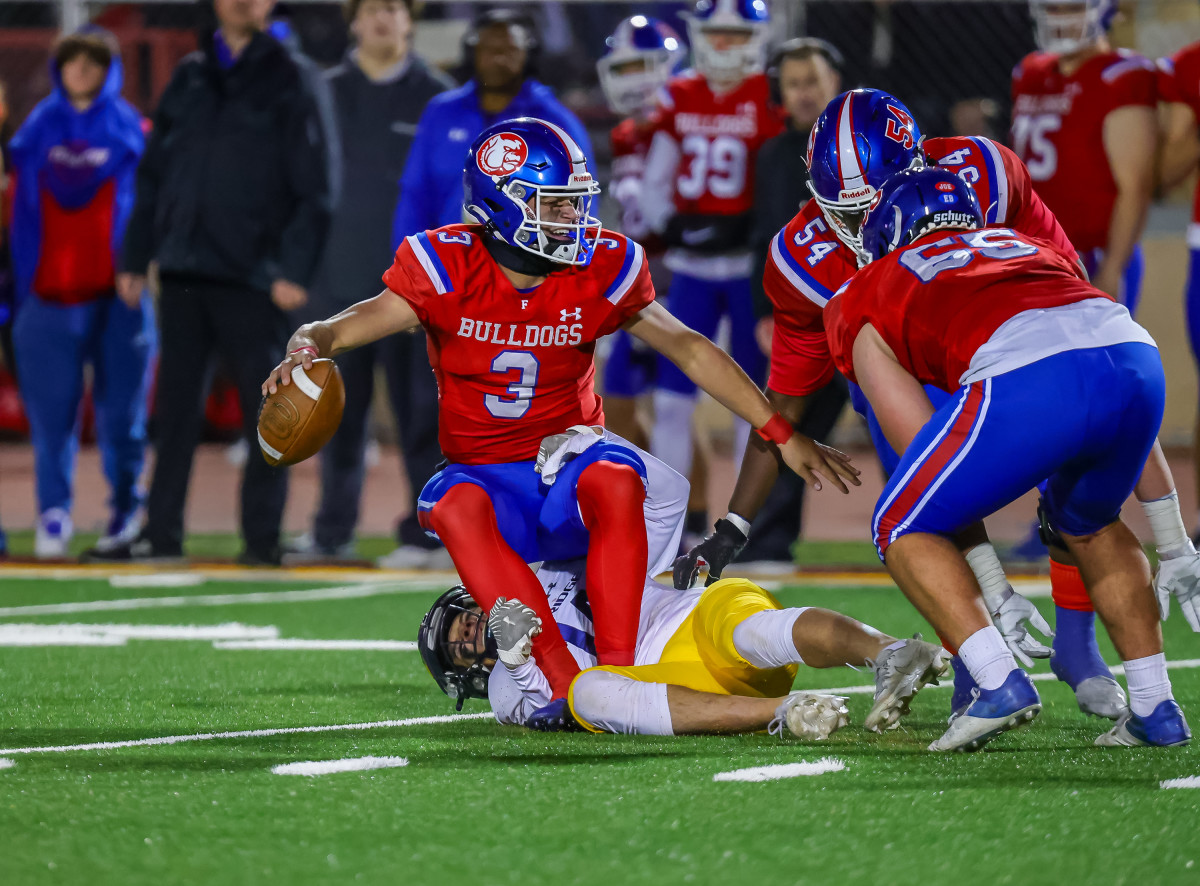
[[360, 324], [715, 371]]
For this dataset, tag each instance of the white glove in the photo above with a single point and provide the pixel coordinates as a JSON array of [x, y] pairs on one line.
[[514, 625], [1013, 618], [1180, 575], [558, 449]]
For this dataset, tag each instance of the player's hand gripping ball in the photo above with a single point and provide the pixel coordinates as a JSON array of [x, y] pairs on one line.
[[300, 417]]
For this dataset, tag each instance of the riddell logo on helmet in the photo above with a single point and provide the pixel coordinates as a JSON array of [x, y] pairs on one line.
[[502, 154], [856, 193]]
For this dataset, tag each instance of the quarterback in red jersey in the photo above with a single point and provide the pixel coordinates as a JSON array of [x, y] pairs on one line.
[[1008, 323], [698, 194], [1084, 124], [512, 308]]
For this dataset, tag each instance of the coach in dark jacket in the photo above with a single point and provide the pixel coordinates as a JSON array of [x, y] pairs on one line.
[[379, 93], [233, 204]]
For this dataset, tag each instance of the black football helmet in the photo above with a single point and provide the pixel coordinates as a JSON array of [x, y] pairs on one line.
[[460, 682]]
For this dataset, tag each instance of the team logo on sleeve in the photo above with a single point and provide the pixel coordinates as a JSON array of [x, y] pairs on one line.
[[502, 154]]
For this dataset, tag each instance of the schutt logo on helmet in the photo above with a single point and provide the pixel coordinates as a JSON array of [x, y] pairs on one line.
[[502, 154]]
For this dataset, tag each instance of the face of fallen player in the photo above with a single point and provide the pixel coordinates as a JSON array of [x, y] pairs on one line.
[[466, 640], [243, 16], [500, 57], [806, 86], [382, 27]]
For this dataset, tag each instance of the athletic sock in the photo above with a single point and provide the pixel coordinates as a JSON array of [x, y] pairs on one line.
[[465, 521], [987, 658], [1149, 684], [610, 502], [1076, 654]]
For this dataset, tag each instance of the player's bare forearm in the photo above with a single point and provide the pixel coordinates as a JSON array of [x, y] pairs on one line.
[[358, 325], [761, 463], [699, 359], [898, 400], [1181, 145], [1156, 481], [1131, 145]]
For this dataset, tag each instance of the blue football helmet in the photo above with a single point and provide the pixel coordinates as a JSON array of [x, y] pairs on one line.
[[735, 63], [1067, 26], [863, 137], [917, 202], [513, 168], [642, 55]]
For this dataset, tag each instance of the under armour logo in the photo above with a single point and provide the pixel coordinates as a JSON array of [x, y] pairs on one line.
[[576, 314]]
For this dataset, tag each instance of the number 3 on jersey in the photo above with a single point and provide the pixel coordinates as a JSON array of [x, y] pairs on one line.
[[717, 165], [522, 389]]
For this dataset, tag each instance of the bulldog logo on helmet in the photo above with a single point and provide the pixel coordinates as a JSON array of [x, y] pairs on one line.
[[502, 154]]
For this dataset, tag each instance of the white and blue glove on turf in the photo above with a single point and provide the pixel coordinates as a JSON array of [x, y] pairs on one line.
[[513, 625]]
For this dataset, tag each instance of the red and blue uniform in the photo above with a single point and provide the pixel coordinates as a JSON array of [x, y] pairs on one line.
[[1179, 82], [514, 367], [1058, 131], [1007, 323], [74, 192], [718, 136], [807, 264]]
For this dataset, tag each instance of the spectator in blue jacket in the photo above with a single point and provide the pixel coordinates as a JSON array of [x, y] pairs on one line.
[[500, 47], [74, 161]]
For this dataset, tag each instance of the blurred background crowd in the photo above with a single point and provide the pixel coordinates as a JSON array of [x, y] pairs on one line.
[[185, 182]]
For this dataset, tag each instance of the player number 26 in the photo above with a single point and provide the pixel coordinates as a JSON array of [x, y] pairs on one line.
[[526, 365]]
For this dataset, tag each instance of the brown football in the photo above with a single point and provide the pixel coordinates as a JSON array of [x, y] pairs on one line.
[[299, 418]]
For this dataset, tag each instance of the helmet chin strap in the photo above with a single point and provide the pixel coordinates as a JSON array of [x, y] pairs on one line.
[[520, 261]]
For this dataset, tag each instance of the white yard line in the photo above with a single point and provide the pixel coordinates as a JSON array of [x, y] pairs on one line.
[[158, 580], [25, 634], [342, 592], [1192, 781], [782, 770], [350, 764], [5, 763], [249, 733], [302, 643]]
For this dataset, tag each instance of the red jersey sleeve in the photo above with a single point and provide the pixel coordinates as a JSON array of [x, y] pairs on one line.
[[629, 288], [841, 331], [800, 359], [1131, 81], [417, 274], [1179, 78]]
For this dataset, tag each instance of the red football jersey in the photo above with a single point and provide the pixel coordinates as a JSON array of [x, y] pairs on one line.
[[1003, 184], [936, 302], [513, 366], [630, 141], [1179, 81], [1057, 130], [719, 135], [807, 263]]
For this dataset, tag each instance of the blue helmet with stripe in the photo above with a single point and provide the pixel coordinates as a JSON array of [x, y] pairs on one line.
[[726, 64], [917, 202], [861, 138], [1064, 27], [642, 55], [527, 182]]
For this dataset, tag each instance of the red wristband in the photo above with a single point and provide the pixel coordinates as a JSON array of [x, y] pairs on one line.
[[315, 352], [778, 430]]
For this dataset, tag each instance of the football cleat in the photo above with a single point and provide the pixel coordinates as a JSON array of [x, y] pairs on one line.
[[54, 531], [554, 717], [993, 711], [122, 529], [900, 674], [416, 557], [964, 690], [810, 715], [1164, 727], [1101, 696]]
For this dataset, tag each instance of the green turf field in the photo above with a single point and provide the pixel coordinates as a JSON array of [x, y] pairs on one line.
[[479, 803]]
